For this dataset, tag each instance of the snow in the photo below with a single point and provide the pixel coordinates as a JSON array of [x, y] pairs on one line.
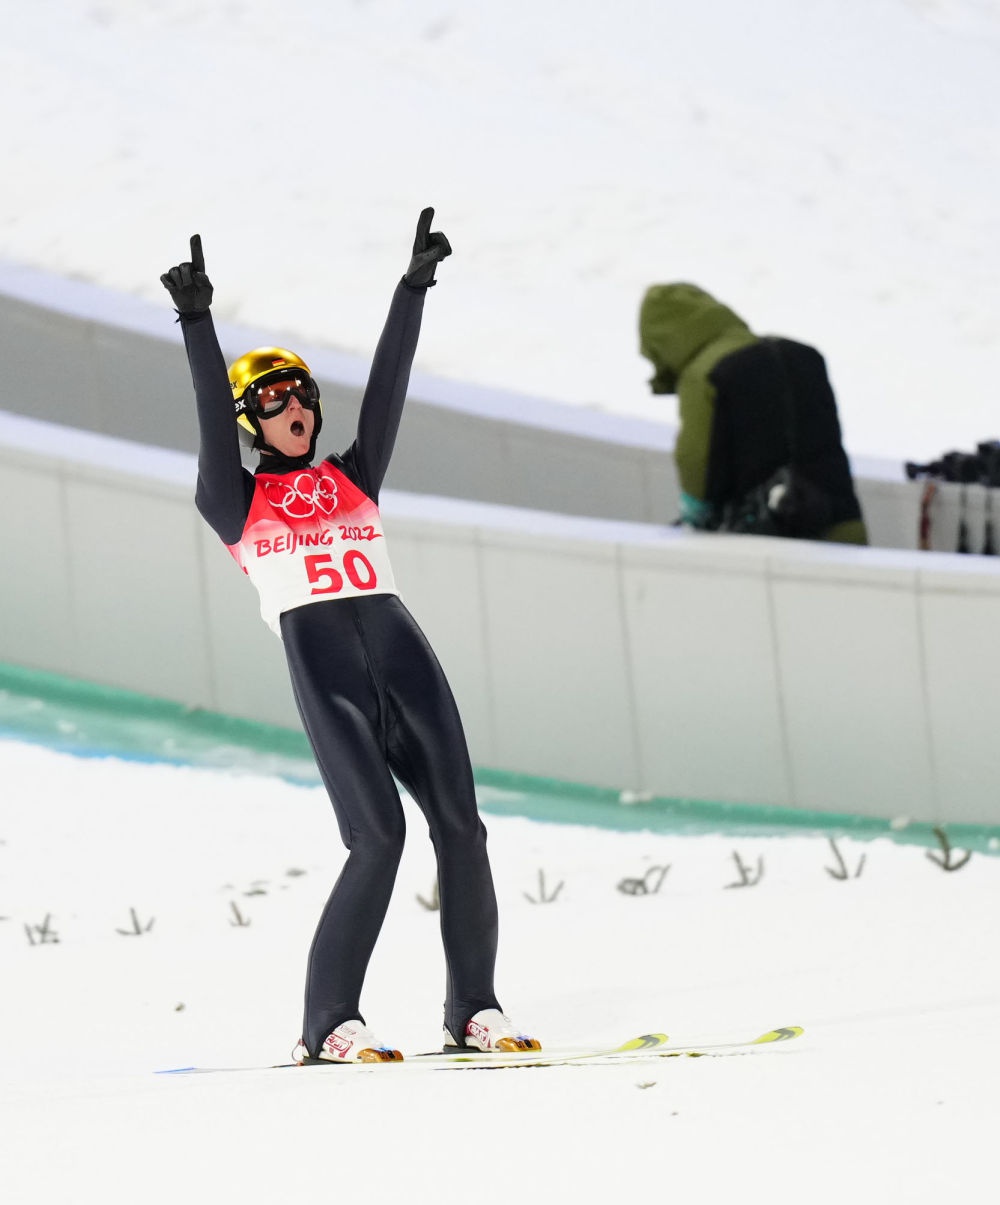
[[889, 1096], [828, 169]]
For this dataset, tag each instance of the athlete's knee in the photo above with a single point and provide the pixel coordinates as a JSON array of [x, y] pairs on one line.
[[383, 841], [463, 830]]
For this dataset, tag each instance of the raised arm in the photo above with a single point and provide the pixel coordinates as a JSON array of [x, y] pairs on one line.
[[385, 393], [224, 488]]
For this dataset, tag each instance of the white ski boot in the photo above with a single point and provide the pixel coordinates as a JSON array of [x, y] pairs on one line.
[[492, 1030], [350, 1042]]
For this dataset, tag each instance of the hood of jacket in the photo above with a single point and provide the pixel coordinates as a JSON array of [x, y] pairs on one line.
[[676, 323]]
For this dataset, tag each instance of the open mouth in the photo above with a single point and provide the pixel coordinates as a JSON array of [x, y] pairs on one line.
[[298, 429]]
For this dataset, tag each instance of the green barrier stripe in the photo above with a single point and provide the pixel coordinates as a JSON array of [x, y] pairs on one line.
[[569, 803], [90, 720]]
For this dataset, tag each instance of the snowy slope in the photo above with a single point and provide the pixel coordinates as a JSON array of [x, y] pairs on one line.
[[828, 169], [890, 1096]]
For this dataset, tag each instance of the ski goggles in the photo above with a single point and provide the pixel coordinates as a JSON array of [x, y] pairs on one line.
[[270, 394]]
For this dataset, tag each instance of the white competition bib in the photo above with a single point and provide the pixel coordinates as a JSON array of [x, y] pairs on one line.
[[310, 536]]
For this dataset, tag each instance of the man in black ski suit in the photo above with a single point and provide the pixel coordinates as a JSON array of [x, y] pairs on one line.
[[373, 699]]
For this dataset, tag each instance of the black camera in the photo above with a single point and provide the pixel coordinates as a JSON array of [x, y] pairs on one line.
[[964, 468], [989, 453]]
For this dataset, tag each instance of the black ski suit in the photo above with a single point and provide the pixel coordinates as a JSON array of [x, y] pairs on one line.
[[373, 700]]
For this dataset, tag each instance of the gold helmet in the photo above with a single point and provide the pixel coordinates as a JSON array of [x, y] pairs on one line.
[[251, 372], [249, 369]]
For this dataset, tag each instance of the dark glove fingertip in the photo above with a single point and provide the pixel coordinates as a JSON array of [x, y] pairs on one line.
[[423, 229]]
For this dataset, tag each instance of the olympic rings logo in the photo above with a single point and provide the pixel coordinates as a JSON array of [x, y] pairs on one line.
[[306, 495]]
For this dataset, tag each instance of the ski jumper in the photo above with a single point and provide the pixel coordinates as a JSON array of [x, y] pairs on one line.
[[373, 700]]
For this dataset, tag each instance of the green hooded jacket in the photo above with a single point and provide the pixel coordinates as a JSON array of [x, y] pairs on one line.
[[684, 332]]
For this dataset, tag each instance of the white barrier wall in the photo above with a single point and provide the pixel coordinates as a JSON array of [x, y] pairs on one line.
[[112, 364], [623, 655]]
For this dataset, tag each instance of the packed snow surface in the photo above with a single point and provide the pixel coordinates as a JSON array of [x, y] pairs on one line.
[[159, 916]]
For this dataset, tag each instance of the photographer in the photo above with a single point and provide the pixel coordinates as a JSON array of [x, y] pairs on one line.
[[759, 446]]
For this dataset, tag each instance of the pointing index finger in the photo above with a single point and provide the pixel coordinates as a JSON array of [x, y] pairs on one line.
[[423, 229], [197, 255]]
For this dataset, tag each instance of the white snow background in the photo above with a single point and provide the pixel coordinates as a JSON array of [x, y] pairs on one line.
[[889, 1097], [827, 168]]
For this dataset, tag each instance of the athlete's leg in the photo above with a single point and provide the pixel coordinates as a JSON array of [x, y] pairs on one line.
[[429, 755], [341, 713]]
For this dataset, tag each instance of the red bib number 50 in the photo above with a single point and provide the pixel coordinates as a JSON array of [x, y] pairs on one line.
[[327, 580]]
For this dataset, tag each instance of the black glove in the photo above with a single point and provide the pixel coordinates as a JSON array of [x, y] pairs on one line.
[[187, 284], [428, 250]]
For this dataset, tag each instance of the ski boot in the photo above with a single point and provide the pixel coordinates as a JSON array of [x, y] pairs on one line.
[[350, 1042], [491, 1030]]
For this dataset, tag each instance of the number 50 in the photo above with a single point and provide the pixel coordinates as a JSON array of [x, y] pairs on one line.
[[327, 580]]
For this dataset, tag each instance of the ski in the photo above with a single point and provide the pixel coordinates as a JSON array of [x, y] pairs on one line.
[[644, 1048], [464, 1057]]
